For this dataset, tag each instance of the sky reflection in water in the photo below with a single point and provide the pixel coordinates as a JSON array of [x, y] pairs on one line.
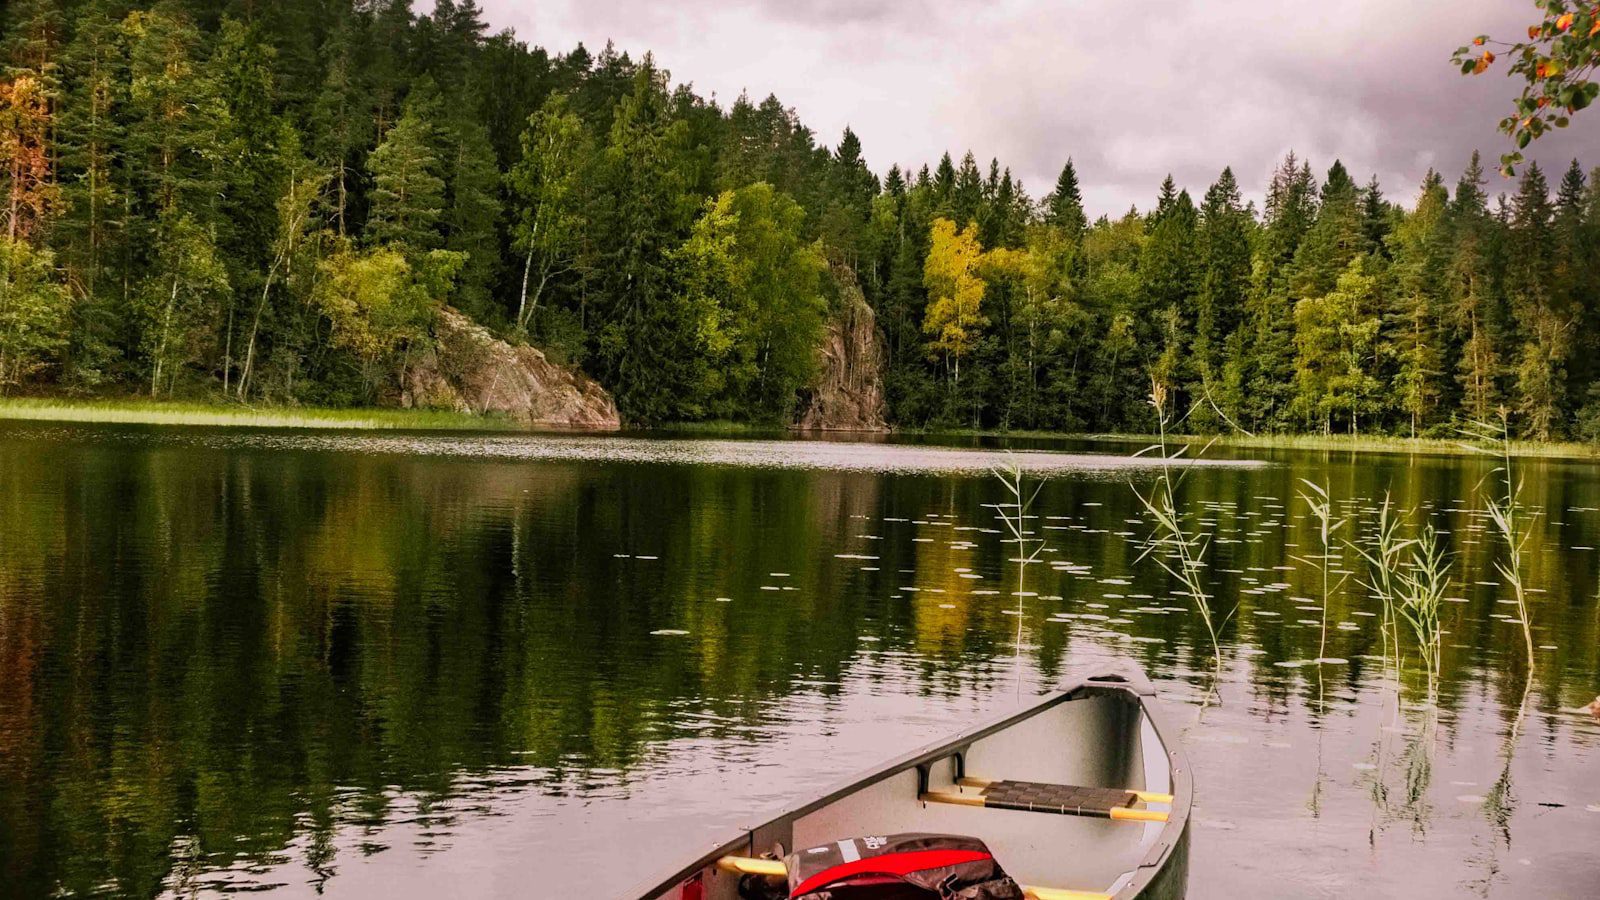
[[486, 665]]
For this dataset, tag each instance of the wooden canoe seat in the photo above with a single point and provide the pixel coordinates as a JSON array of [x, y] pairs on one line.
[[1062, 799], [774, 868]]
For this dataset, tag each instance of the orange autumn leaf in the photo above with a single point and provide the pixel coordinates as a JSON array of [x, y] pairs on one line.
[[1593, 29], [1564, 22], [1533, 32], [1542, 70], [1478, 41]]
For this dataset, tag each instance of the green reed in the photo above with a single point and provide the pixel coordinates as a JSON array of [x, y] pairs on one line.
[[1171, 545], [1494, 438], [1012, 478], [1423, 585], [1384, 561], [1322, 510]]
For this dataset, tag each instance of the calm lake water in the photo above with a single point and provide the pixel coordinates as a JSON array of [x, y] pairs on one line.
[[423, 666]]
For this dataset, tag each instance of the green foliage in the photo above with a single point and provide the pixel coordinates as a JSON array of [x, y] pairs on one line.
[[751, 284], [547, 203], [378, 305], [1336, 339], [33, 311], [1556, 64], [408, 187], [218, 188]]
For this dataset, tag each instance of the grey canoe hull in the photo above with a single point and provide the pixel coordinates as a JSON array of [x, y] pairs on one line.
[[1102, 732]]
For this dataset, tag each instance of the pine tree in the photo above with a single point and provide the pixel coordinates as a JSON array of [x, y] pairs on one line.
[[966, 196], [1545, 319], [1167, 273], [408, 189], [1334, 239], [1420, 248], [641, 211], [92, 234], [1470, 297], [1064, 205], [1375, 223], [471, 217], [1223, 242]]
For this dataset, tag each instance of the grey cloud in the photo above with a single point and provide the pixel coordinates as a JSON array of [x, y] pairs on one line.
[[1130, 91]]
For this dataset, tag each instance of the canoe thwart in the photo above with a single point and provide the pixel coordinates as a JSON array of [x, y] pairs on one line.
[[1062, 799], [774, 868], [1146, 796], [745, 865]]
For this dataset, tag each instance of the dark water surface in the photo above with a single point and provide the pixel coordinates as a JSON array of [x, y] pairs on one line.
[[424, 666]]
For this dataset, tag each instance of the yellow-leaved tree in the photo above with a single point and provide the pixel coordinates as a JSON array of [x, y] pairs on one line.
[[955, 293]]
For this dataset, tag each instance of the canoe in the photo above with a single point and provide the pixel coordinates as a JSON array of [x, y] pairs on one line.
[[1082, 795]]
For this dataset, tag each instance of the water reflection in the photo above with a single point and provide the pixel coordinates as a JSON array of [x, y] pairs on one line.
[[232, 660]]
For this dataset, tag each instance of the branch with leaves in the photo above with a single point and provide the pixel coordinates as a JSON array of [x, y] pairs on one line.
[[1557, 63]]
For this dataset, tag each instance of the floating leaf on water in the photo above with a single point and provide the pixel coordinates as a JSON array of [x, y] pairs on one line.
[[1363, 767], [724, 599], [1331, 661], [647, 558], [669, 631]]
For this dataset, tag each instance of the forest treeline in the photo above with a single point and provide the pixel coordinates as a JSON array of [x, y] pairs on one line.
[[268, 202]]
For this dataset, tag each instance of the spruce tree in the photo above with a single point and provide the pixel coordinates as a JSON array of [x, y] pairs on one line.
[[471, 217], [1223, 241], [407, 185], [1064, 205]]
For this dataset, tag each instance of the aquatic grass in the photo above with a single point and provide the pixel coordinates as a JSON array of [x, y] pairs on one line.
[[1341, 443], [1322, 509], [151, 412], [1384, 563], [1423, 585], [1012, 478], [1494, 438], [1171, 545]]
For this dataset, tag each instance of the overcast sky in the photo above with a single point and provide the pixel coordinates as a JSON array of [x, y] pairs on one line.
[[1131, 91]]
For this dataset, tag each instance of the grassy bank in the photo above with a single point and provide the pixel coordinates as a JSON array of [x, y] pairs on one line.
[[134, 411], [148, 412]]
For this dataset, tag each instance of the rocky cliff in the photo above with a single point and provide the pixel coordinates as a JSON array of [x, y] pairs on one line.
[[848, 395], [471, 370]]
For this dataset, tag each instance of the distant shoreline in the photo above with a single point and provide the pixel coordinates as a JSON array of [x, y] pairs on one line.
[[134, 411]]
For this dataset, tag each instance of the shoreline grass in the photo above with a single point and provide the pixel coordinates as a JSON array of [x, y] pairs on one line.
[[143, 411], [152, 412]]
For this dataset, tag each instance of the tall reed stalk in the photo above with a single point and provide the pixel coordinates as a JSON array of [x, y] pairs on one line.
[[1503, 512], [1327, 526], [1422, 588], [1011, 478], [1383, 572], [1171, 545]]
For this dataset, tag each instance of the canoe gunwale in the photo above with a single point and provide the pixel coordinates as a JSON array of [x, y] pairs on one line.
[[1168, 850]]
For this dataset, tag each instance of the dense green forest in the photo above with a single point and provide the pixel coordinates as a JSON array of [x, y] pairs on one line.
[[268, 202]]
